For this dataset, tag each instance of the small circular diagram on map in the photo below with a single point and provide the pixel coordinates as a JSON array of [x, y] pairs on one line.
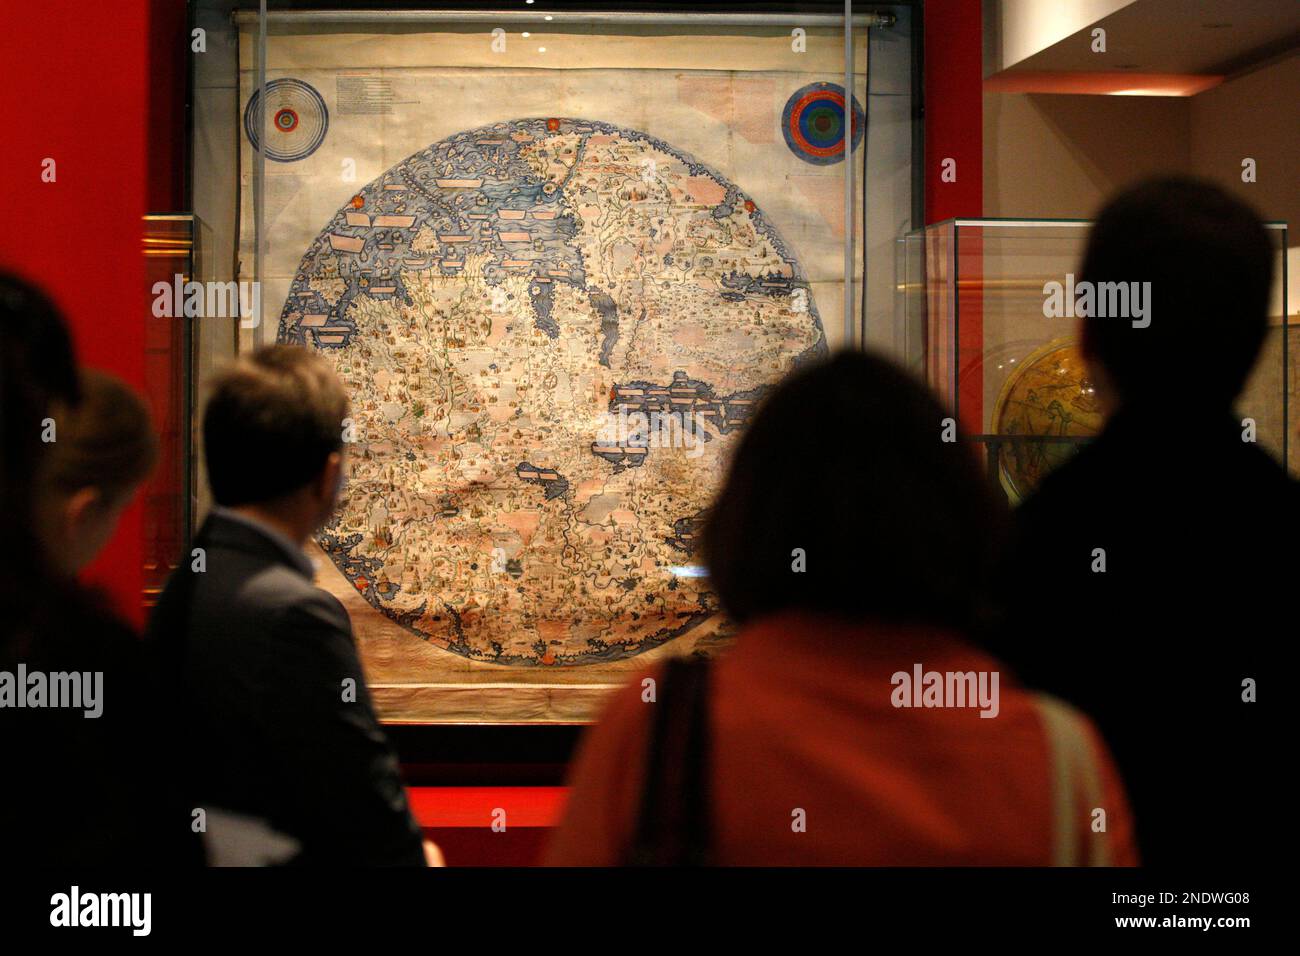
[[553, 332], [813, 123], [297, 123]]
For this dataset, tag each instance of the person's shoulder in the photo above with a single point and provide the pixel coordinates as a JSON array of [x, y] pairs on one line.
[[278, 589], [319, 604], [606, 775], [629, 714], [627, 703], [624, 716], [1089, 463], [1107, 476], [313, 623], [1073, 736], [1267, 475], [76, 624], [308, 641], [1061, 492]]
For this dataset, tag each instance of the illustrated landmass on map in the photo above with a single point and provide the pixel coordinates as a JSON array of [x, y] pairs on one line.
[[553, 332]]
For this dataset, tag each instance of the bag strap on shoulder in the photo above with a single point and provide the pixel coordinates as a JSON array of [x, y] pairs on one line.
[[1076, 785], [674, 822]]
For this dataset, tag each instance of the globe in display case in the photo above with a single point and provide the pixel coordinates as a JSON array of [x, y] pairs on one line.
[[985, 328]]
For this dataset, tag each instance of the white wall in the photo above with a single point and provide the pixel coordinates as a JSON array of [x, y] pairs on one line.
[[1029, 26]]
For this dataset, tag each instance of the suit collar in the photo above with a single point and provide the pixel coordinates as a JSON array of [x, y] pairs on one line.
[[233, 530]]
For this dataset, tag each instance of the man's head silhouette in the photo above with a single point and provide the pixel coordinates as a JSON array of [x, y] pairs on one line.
[[1209, 262]]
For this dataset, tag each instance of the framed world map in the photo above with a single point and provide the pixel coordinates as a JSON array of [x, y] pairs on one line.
[[553, 325]]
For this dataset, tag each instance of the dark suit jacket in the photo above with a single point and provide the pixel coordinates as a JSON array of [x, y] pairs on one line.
[[260, 657], [1195, 525]]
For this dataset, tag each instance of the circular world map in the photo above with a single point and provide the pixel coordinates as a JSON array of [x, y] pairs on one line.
[[1050, 401], [552, 332]]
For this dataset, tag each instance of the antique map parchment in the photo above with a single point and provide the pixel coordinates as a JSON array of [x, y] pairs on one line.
[[553, 320]]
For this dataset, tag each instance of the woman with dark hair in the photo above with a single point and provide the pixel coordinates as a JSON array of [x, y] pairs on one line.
[[87, 783], [856, 720], [37, 370]]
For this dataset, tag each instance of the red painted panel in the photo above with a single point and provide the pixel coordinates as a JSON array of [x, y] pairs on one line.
[[953, 67], [474, 806], [953, 108], [459, 820], [169, 66], [75, 91], [462, 846]]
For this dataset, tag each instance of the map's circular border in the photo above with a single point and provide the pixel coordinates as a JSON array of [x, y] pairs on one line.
[[549, 126]]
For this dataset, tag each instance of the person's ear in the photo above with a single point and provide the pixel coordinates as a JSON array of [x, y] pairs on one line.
[[330, 479], [79, 511]]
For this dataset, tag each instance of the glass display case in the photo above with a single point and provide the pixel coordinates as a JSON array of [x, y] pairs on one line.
[[171, 242], [973, 292], [556, 258]]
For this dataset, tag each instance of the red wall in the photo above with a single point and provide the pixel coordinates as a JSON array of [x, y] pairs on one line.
[[954, 118], [73, 92], [77, 90], [954, 111]]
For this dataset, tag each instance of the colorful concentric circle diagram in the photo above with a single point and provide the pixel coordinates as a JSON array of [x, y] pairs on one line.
[[813, 123], [298, 122]]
